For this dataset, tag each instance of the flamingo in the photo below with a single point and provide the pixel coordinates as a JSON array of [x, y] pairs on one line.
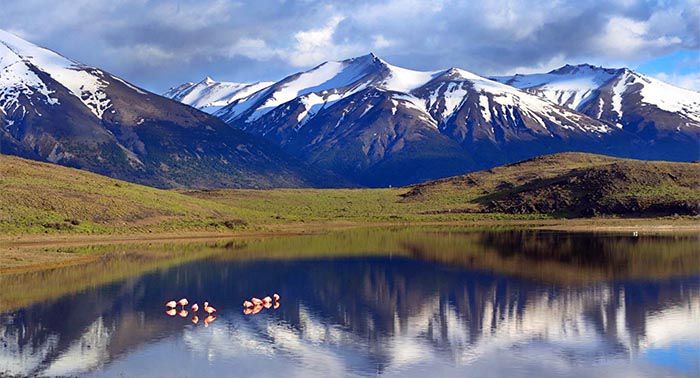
[[195, 319], [171, 312], [208, 320], [247, 304], [247, 311], [209, 310], [256, 301], [276, 297], [183, 302], [195, 307], [183, 313], [171, 304], [257, 309], [267, 304], [267, 299], [276, 305]]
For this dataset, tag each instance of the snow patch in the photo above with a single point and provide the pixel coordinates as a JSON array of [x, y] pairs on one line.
[[405, 80], [618, 90], [671, 98], [84, 82], [210, 96]]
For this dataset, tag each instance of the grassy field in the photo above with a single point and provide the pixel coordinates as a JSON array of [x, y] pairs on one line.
[[39, 198], [46, 198]]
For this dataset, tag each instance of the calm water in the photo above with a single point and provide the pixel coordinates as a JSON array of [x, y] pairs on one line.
[[367, 303]]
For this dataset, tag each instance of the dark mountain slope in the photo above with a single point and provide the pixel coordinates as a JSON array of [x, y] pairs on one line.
[[54, 109]]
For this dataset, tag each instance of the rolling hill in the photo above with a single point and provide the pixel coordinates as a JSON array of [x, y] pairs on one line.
[[41, 197], [573, 185]]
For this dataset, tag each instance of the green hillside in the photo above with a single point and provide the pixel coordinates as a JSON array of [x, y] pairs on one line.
[[46, 198], [41, 197]]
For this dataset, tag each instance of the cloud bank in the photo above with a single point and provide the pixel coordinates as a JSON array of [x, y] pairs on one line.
[[159, 43]]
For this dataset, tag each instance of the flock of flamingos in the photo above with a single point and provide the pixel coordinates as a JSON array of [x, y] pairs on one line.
[[250, 307]]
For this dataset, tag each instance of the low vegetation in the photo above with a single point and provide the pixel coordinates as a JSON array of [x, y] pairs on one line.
[[45, 198], [573, 185]]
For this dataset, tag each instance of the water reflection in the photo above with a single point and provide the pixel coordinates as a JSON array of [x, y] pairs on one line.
[[427, 311]]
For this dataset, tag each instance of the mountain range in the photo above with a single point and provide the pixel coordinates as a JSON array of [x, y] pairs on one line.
[[379, 124], [361, 121], [665, 116], [58, 110]]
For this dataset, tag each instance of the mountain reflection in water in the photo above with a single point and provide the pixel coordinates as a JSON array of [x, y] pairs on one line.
[[406, 303]]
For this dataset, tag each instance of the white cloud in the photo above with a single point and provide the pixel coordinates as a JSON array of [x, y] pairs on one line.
[[145, 54], [627, 38], [314, 46], [186, 39], [253, 48], [380, 42], [310, 47], [688, 81]]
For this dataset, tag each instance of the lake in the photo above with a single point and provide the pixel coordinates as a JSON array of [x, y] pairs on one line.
[[440, 301]]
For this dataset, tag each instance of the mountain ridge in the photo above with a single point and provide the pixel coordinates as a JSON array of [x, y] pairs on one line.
[[649, 108], [55, 109], [374, 108], [390, 116]]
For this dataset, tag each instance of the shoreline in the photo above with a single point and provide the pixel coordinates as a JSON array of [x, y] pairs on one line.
[[15, 248], [646, 225]]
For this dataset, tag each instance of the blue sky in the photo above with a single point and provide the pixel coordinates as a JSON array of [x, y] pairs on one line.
[[157, 43]]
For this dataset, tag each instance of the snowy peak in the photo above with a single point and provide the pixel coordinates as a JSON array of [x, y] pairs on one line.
[[570, 86], [584, 69], [437, 94], [615, 95], [323, 84], [24, 63], [210, 95], [661, 95]]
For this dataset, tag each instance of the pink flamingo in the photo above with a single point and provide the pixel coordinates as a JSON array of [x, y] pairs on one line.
[[247, 304], [276, 297], [171, 304], [208, 309], [256, 301], [267, 300], [183, 313], [195, 307], [195, 319], [171, 312], [208, 320], [183, 302]]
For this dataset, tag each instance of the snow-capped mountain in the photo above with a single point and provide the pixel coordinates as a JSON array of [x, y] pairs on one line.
[[656, 111], [55, 109], [209, 95], [381, 124]]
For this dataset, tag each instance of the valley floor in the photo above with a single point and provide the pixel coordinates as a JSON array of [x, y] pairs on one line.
[[48, 207]]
